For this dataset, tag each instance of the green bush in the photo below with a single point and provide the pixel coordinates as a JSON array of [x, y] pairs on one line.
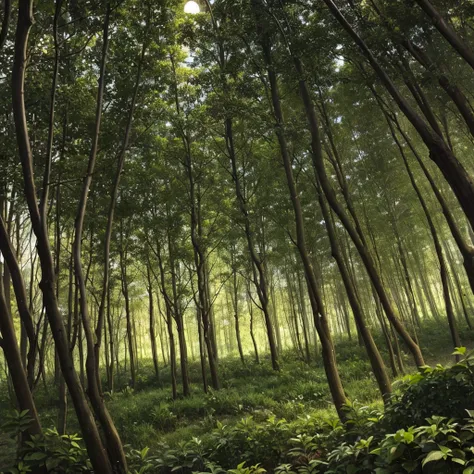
[[438, 391]]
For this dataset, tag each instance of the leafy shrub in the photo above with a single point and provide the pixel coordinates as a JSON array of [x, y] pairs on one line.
[[57, 453], [435, 391], [163, 418]]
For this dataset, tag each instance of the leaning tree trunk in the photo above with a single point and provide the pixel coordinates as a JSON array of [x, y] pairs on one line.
[[452, 169], [449, 34], [443, 268], [376, 361], [319, 316], [96, 451], [11, 351], [321, 175]]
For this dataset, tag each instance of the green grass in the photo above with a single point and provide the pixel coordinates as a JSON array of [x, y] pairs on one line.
[[148, 416]]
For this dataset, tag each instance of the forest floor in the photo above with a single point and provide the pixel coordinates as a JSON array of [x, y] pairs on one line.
[[147, 416]]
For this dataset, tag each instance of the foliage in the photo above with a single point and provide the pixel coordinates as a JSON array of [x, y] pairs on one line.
[[396, 441], [57, 453], [436, 391]]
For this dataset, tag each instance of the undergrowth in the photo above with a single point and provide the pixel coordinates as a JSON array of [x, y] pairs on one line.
[[262, 421]]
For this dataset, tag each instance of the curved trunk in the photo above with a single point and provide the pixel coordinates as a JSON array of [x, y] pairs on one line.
[[111, 436], [94, 445], [367, 259], [319, 316], [452, 169]]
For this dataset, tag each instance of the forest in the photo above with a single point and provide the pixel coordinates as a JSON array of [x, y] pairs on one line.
[[236, 236]]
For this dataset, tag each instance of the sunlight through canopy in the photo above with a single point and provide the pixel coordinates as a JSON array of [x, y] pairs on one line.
[[192, 8]]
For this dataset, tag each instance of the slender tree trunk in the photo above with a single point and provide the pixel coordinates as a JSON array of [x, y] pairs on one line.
[[376, 361], [258, 270], [11, 351], [235, 305], [128, 314], [439, 251], [452, 169], [169, 325], [449, 34], [154, 349], [90, 432], [112, 439], [319, 316], [252, 333], [113, 201], [321, 175]]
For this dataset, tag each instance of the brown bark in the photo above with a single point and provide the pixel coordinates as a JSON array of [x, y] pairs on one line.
[[128, 314], [19, 380], [252, 333], [376, 361], [319, 316], [178, 317], [89, 430], [449, 34], [452, 169], [112, 439], [19, 288], [235, 307]]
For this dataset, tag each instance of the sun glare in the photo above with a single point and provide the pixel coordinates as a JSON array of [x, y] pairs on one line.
[[192, 8]]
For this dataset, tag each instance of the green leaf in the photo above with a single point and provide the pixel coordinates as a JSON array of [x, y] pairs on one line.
[[38, 456], [433, 456]]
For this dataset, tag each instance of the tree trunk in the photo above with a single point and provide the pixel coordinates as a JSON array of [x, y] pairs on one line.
[[90, 433], [452, 169], [376, 361], [319, 315], [449, 34], [235, 305], [321, 175], [11, 351], [128, 314], [154, 349], [169, 325]]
